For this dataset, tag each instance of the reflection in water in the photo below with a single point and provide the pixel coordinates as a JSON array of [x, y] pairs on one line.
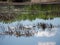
[[44, 26], [36, 27], [47, 43], [35, 32], [46, 33]]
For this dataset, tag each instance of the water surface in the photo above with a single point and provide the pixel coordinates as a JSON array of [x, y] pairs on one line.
[[27, 32]]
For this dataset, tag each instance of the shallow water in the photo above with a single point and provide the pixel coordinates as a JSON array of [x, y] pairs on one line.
[[26, 32]]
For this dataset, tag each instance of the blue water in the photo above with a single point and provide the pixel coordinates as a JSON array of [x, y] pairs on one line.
[[35, 39]]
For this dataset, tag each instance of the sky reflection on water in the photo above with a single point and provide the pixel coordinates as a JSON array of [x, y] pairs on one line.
[[26, 32], [46, 43]]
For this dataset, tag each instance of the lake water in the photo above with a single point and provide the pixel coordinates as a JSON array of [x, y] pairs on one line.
[[35, 32]]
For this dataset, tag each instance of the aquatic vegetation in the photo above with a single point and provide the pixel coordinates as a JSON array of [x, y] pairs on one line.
[[29, 28], [30, 12]]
